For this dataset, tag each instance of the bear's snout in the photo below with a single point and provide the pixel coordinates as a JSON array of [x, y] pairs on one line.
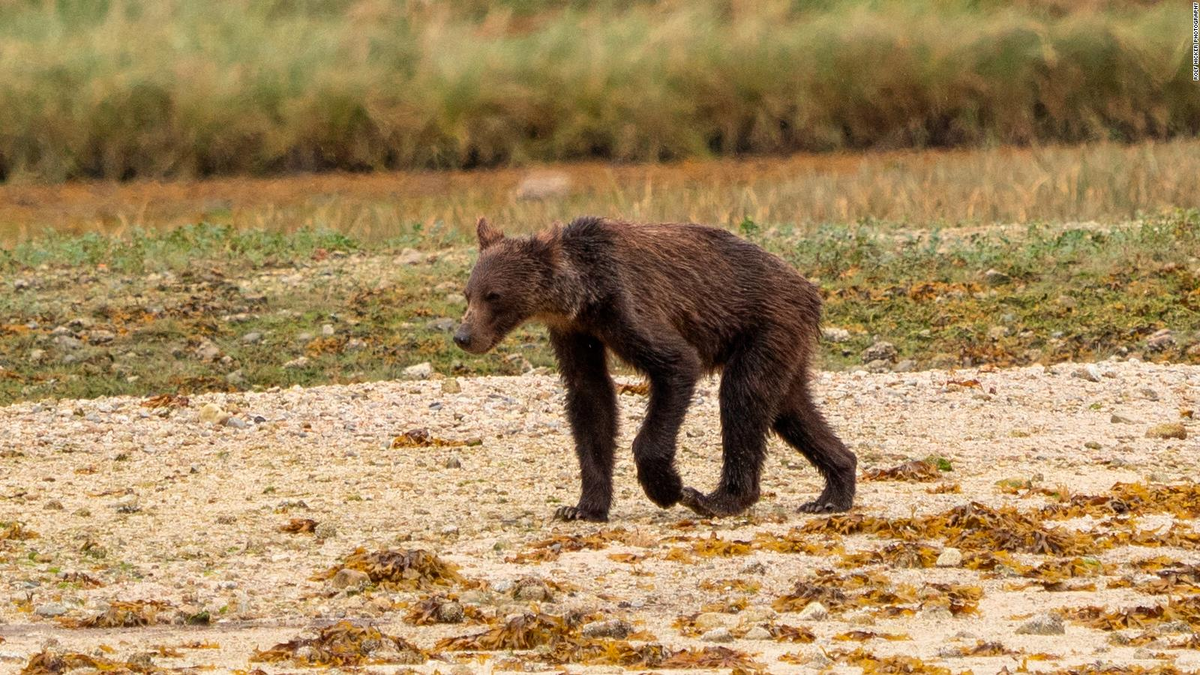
[[462, 339]]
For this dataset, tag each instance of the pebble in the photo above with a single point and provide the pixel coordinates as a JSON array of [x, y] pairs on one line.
[[813, 611], [710, 620], [410, 256], [717, 635], [298, 362], [236, 423], [421, 371], [880, 351], [758, 633], [1168, 430], [450, 612], [1091, 372], [348, 578], [451, 385], [1043, 624], [613, 628], [531, 590], [950, 557], [252, 338], [325, 531], [834, 334], [453, 463], [1161, 340], [994, 277], [211, 413], [50, 609], [1117, 419], [327, 330]]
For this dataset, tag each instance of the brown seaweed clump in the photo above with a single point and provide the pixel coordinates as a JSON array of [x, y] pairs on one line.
[[408, 569], [343, 644]]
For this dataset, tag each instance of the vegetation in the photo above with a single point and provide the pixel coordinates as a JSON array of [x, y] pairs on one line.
[[209, 307], [121, 89]]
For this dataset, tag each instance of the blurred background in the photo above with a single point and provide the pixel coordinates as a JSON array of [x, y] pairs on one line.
[[876, 145]]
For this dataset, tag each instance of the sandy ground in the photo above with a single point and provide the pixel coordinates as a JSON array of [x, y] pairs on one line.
[[160, 504]]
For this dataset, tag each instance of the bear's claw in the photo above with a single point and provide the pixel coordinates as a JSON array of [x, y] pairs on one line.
[[568, 513]]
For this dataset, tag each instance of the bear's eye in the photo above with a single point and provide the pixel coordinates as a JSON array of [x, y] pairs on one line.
[[492, 297]]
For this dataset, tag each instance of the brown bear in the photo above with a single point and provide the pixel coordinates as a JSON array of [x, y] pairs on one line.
[[674, 301]]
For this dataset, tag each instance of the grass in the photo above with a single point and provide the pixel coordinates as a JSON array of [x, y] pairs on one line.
[[949, 189], [143, 307], [118, 89]]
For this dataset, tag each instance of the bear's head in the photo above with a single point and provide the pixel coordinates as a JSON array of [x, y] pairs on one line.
[[512, 281]]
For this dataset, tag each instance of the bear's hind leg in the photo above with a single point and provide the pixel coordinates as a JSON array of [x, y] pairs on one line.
[[803, 427], [752, 387]]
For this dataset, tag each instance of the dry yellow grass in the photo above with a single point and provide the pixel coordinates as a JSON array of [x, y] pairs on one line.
[[1102, 181]]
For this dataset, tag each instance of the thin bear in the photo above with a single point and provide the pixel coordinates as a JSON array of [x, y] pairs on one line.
[[674, 301]]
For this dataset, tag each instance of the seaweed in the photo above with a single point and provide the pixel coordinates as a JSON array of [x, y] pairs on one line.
[[343, 644], [408, 569]]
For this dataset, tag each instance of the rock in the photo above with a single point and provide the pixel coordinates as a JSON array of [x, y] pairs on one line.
[[211, 413], [532, 590], [995, 277], [1067, 302], [997, 332], [50, 610], [99, 337], [1092, 445], [451, 385], [613, 628], [304, 337], [1117, 419], [410, 257], [21, 284], [37, 355], [717, 635], [1168, 430], [710, 620], [880, 351], [325, 531], [754, 568], [453, 463], [1091, 372], [327, 330], [443, 325], [296, 363], [756, 614], [1148, 393], [236, 423], [813, 611], [348, 578], [835, 334], [207, 351], [421, 371], [905, 366], [53, 505], [1193, 351], [1161, 340], [879, 366], [758, 633], [236, 378], [950, 557], [68, 342], [544, 185], [1043, 624], [450, 612], [252, 338], [355, 344]]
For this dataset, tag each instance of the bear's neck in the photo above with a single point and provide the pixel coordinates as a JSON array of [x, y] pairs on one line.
[[567, 297]]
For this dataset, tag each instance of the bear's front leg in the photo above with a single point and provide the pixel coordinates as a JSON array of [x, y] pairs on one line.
[[592, 412], [654, 446]]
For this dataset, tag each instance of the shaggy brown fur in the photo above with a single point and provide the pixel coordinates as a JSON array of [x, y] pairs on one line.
[[674, 301]]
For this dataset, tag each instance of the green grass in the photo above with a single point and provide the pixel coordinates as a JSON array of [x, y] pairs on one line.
[[108, 89], [1074, 294]]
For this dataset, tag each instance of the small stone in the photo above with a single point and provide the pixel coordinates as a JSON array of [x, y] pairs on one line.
[[905, 366], [207, 351], [879, 366], [1091, 372], [1161, 340], [950, 557], [99, 337], [1168, 430], [717, 635], [1148, 393], [327, 330], [451, 385], [1092, 445], [757, 614], [236, 423], [532, 590], [450, 612], [834, 334], [443, 325], [236, 378], [37, 355], [304, 337], [50, 610], [1043, 624], [325, 531], [613, 628], [53, 505], [710, 620], [410, 257], [21, 284], [68, 342], [995, 277], [355, 344], [758, 633], [880, 351], [813, 611], [997, 332], [211, 413], [1117, 419], [453, 463], [1067, 302], [252, 338], [296, 363], [348, 578], [421, 371]]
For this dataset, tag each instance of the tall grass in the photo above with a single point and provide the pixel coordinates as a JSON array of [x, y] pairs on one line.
[[128, 88]]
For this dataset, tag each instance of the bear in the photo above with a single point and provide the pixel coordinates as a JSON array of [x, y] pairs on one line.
[[675, 301]]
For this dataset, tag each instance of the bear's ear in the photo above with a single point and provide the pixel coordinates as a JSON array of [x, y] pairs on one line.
[[488, 235], [550, 241]]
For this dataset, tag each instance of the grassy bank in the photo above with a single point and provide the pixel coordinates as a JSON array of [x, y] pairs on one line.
[[951, 189], [128, 89], [210, 307]]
